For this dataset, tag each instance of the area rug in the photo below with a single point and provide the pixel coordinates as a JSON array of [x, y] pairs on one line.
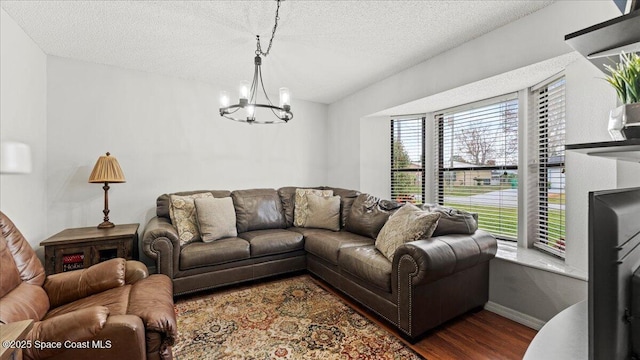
[[291, 318]]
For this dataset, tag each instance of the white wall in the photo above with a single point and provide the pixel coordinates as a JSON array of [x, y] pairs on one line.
[[628, 174], [536, 293], [588, 101], [23, 99], [375, 150], [168, 136]]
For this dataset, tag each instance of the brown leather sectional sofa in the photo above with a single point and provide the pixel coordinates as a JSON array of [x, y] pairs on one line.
[[112, 310], [429, 281]]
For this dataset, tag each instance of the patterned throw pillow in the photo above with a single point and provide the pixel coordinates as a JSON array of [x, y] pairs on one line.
[[324, 212], [407, 224], [183, 216], [301, 209]]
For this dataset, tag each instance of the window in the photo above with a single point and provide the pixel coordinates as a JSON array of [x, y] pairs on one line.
[[549, 204], [477, 162], [407, 160]]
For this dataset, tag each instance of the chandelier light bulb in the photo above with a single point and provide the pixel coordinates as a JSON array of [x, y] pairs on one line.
[[244, 90], [224, 99], [250, 111], [285, 97]]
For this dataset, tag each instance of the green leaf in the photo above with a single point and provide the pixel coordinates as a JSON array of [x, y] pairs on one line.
[[625, 77]]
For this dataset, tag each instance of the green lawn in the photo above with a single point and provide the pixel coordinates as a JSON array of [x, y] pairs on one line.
[[488, 220], [459, 190]]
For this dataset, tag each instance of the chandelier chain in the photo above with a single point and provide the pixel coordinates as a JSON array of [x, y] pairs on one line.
[[273, 34]]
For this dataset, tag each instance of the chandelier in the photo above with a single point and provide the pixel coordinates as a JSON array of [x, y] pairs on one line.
[[248, 97]]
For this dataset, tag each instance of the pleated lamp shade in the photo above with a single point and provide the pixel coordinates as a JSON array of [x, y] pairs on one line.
[[107, 170]]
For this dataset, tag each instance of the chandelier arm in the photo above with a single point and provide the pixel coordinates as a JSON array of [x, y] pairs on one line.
[[263, 89], [285, 119], [254, 85], [226, 110], [274, 113]]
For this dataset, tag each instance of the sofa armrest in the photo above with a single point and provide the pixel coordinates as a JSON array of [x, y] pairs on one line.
[[77, 325], [135, 270], [65, 287], [161, 243], [424, 261], [151, 299]]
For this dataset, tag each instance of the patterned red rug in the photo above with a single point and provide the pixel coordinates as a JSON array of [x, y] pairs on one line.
[[291, 318]]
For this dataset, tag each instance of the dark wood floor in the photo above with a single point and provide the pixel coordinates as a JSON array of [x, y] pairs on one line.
[[475, 336]]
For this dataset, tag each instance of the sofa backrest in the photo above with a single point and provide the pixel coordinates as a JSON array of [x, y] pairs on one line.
[[164, 201], [21, 277], [24, 257], [286, 197], [258, 209]]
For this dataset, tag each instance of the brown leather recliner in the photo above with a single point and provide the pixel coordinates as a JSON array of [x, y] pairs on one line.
[[112, 310]]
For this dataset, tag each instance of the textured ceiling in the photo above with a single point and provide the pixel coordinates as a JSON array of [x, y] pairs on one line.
[[323, 50]]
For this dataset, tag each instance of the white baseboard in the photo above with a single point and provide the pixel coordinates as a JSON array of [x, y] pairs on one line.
[[514, 315]]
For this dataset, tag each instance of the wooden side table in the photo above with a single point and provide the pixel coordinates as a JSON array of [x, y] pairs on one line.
[[12, 335], [79, 248]]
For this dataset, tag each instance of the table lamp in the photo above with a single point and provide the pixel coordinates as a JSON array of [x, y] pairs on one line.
[[107, 170]]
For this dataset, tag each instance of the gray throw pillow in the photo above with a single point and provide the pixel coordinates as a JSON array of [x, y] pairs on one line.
[[453, 221], [323, 212], [216, 218], [405, 225]]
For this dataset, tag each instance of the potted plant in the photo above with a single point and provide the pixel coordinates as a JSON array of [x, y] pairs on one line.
[[624, 121]]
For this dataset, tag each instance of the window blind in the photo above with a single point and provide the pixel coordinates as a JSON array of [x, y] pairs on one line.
[[407, 160], [477, 157], [549, 208]]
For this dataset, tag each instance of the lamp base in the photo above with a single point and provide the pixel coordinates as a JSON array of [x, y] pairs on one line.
[[106, 225]]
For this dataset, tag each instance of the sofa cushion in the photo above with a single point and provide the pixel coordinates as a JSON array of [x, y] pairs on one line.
[[368, 264], [369, 214], [323, 212], [453, 221], [258, 209], [326, 244], [307, 231], [216, 218], [183, 216], [301, 210], [273, 241], [407, 224], [221, 251], [163, 202]]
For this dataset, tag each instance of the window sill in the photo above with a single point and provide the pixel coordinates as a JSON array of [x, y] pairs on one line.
[[509, 251]]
